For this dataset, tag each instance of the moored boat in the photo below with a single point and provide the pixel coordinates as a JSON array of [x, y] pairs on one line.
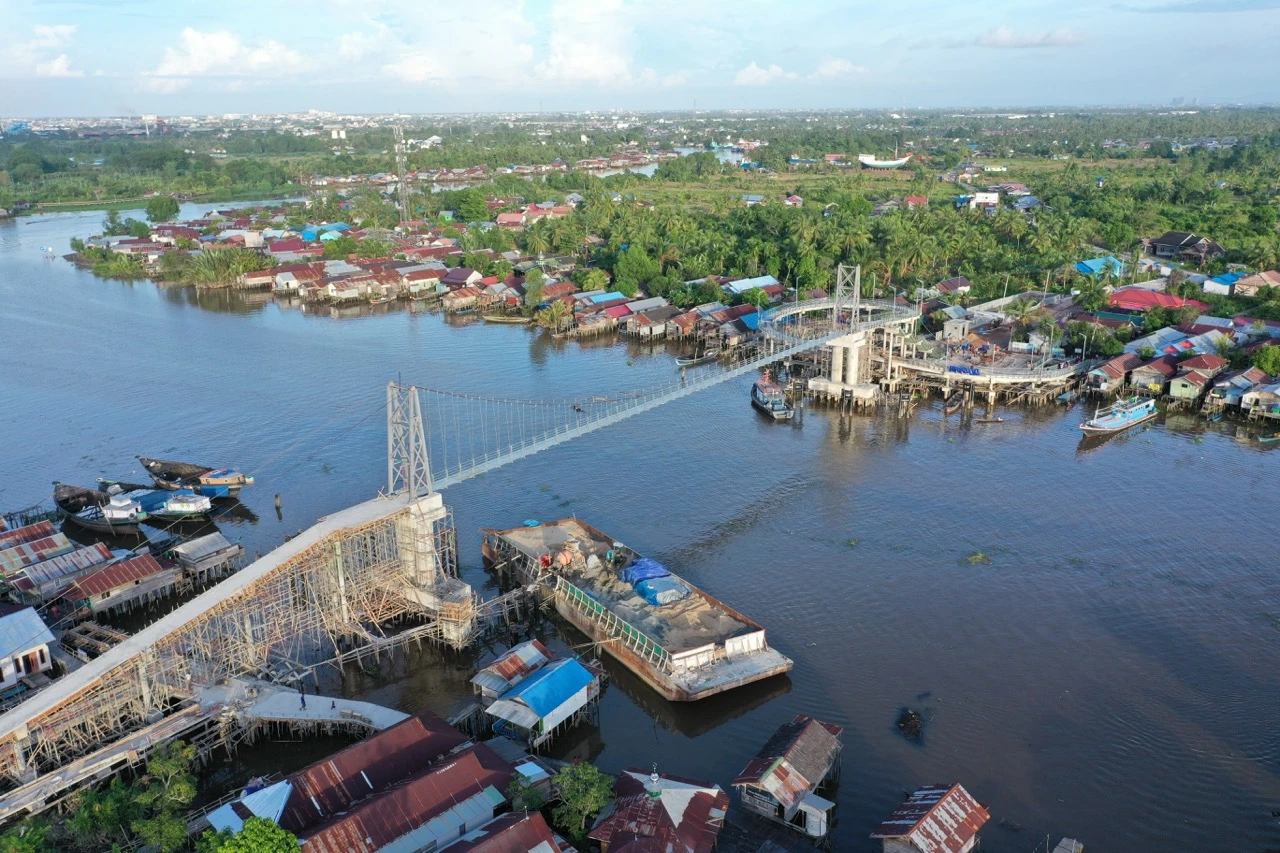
[[767, 396], [97, 511], [512, 319], [1269, 439], [679, 640], [202, 479], [953, 403], [995, 420], [1120, 416], [162, 504]]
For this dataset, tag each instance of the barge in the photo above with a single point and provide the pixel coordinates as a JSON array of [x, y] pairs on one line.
[[682, 642]]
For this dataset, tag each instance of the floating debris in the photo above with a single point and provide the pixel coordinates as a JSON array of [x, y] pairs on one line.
[[911, 724], [852, 542], [977, 558]]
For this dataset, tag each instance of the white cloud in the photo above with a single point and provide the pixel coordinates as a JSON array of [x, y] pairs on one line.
[[754, 75], [830, 69], [588, 42], [1005, 37], [59, 66], [52, 35], [491, 48], [356, 45], [219, 53]]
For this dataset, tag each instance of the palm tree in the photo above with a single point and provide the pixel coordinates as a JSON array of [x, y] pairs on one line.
[[555, 317]]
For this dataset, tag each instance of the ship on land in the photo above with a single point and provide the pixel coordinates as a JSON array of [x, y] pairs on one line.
[[682, 642], [871, 161]]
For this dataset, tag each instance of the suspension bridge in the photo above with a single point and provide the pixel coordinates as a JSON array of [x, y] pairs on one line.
[[342, 583]]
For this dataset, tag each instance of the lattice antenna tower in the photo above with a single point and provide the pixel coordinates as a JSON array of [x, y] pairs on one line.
[[848, 293], [402, 174], [408, 467]]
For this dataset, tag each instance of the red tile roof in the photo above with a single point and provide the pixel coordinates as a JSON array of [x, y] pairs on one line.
[[367, 767], [935, 819], [116, 575]]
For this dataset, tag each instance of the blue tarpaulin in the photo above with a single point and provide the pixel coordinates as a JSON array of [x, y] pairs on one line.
[[663, 590], [644, 568]]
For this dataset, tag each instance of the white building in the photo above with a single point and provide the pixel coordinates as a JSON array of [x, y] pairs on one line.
[[24, 646]]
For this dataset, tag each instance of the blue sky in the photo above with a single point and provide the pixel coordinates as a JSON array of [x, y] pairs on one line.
[[125, 57]]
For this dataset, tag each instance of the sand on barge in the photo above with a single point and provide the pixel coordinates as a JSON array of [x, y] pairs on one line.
[[682, 642]]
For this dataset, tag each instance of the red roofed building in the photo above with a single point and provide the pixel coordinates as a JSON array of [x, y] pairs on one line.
[[935, 819], [122, 584], [1141, 299], [513, 219], [556, 289], [657, 814], [914, 201]]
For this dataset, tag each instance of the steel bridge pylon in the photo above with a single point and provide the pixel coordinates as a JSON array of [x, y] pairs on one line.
[[408, 466]]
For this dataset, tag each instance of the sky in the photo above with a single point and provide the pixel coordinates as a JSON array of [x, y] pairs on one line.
[[128, 57]]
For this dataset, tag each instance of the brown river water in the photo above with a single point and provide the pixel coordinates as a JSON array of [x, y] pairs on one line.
[[1112, 673]]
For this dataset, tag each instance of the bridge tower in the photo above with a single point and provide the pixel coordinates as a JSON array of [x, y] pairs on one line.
[[408, 467]]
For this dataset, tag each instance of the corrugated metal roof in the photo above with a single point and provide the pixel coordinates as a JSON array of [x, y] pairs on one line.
[[115, 575], [515, 713], [936, 819], [377, 823], [29, 533], [549, 687], [686, 815], [201, 547], [26, 554], [268, 802], [370, 766], [794, 760], [21, 631], [513, 666], [515, 832], [62, 565]]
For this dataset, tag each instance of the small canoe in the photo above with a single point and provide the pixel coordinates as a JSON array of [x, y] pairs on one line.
[[502, 318], [1269, 439], [953, 403], [692, 360], [988, 420]]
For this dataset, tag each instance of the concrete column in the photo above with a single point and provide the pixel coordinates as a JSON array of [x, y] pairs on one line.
[[851, 365], [837, 364]]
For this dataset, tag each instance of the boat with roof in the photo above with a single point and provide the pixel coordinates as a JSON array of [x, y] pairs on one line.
[[201, 479], [1120, 415], [96, 511], [162, 504], [767, 396]]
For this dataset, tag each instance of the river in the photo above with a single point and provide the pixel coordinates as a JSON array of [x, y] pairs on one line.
[[1110, 674]]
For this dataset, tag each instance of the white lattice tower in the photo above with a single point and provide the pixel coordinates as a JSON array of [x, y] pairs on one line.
[[408, 468]]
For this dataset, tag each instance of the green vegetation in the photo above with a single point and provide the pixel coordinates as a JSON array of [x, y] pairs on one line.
[[162, 208], [258, 835], [150, 810], [583, 792], [1267, 359]]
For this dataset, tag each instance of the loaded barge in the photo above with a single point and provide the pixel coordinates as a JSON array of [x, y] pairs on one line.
[[682, 642]]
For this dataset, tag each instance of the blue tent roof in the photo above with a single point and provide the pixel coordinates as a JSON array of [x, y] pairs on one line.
[[595, 298], [309, 233], [549, 687], [751, 321], [336, 226]]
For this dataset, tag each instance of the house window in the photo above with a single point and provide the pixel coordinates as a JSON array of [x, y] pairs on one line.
[[43, 659]]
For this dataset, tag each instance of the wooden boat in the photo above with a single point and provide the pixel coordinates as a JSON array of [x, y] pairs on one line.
[[953, 403], [996, 420], [767, 396], [90, 509], [1120, 416], [1269, 439], [202, 479], [513, 320], [1215, 417], [381, 300], [873, 162], [693, 359]]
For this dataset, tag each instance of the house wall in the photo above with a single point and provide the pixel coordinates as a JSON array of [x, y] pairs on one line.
[[1181, 390], [759, 801], [11, 667]]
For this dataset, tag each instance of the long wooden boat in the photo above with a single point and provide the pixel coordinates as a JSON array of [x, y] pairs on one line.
[[96, 511], [693, 359], [202, 479], [162, 504], [1120, 416], [507, 318], [953, 403], [1269, 439], [679, 640]]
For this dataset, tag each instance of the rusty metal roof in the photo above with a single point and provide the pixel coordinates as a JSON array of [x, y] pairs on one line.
[[936, 819], [365, 768], [29, 533], [115, 575], [516, 832], [514, 666], [795, 759], [379, 820], [686, 814]]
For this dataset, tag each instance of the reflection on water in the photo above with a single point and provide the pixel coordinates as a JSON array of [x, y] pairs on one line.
[[1116, 657]]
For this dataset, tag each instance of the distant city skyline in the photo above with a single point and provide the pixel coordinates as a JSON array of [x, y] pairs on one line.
[[84, 58]]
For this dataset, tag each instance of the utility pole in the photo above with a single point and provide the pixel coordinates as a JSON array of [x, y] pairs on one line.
[[402, 173]]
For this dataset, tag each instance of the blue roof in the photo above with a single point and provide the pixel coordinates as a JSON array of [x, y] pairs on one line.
[[1228, 277], [1095, 266], [595, 298], [751, 321], [336, 226], [742, 285], [551, 686]]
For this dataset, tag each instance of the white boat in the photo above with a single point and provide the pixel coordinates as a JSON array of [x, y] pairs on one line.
[[767, 396], [872, 162], [1120, 415]]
